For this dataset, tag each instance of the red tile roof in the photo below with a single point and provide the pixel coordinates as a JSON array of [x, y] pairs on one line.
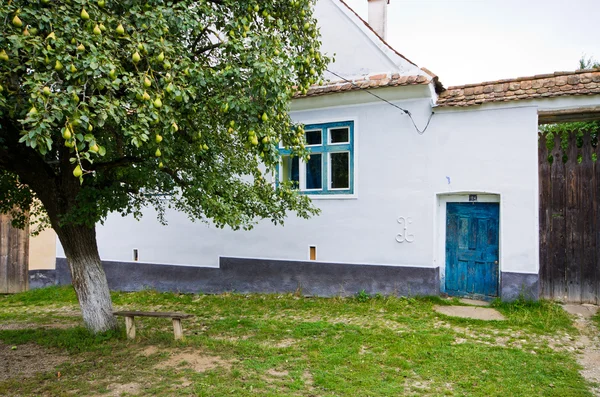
[[367, 82], [579, 82]]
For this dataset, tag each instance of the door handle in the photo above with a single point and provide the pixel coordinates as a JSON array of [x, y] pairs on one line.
[[495, 262]]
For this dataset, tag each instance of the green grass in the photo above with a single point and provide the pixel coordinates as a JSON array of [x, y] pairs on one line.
[[280, 345]]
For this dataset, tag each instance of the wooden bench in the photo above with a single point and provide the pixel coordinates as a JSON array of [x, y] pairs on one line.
[[130, 324]]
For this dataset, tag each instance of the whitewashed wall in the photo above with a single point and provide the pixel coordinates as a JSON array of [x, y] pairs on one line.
[[356, 49], [398, 173]]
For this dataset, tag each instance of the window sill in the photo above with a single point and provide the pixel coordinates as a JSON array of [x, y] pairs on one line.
[[353, 196]]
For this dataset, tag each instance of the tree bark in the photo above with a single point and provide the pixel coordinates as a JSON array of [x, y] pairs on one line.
[[88, 277]]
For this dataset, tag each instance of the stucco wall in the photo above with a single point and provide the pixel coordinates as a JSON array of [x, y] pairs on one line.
[[357, 50], [398, 173], [42, 250]]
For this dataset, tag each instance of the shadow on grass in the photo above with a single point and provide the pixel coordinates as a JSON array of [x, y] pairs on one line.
[[73, 340], [42, 296]]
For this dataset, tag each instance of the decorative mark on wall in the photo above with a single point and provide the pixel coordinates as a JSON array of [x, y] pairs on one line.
[[404, 235], [448, 179]]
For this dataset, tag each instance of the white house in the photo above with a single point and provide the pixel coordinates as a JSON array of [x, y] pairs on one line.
[[422, 190]]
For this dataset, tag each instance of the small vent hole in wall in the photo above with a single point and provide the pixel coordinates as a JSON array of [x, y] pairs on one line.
[[135, 255], [313, 253]]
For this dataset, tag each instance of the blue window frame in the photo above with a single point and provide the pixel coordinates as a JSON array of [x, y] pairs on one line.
[[330, 169]]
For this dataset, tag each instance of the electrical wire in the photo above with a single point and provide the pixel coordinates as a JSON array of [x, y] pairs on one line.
[[405, 111]]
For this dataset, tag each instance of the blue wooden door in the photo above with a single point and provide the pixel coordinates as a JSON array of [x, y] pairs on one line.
[[472, 249]]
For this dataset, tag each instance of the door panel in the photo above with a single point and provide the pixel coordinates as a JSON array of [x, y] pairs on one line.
[[472, 249]]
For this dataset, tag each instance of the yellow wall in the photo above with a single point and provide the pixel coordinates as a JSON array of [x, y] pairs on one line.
[[42, 250]]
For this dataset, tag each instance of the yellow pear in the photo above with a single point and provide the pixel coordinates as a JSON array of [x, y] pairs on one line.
[[17, 21], [97, 30], [3, 55], [157, 153], [67, 134], [157, 102], [58, 66], [158, 138], [120, 29], [81, 48], [147, 82], [135, 58], [77, 172], [84, 15], [160, 57]]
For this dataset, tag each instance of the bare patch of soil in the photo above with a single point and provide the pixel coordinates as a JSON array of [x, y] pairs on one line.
[[150, 350], [117, 390], [194, 360], [16, 326], [27, 360], [277, 374], [588, 343]]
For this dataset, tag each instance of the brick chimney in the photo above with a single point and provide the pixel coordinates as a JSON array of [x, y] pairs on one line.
[[378, 16]]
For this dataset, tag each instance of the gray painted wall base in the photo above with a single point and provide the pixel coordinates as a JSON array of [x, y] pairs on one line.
[[516, 285], [41, 278], [268, 276], [275, 276]]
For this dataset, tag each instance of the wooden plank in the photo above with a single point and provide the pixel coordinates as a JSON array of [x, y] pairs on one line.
[[596, 218], [557, 238], [573, 227], [545, 187], [25, 260], [152, 314], [591, 113], [4, 244], [587, 206], [177, 329], [130, 327], [13, 261]]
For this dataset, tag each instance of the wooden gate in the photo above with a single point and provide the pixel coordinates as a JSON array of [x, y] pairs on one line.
[[14, 257], [570, 219]]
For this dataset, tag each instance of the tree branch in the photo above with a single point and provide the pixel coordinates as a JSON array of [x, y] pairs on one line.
[[123, 161], [175, 177], [204, 49]]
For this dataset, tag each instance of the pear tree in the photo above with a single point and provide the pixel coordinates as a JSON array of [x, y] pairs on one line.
[[116, 106]]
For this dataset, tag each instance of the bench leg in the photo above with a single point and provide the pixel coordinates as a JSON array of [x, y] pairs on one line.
[[177, 328], [130, 327]]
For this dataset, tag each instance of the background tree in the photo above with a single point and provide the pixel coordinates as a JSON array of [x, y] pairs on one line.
[[564, 130], [118, 105]]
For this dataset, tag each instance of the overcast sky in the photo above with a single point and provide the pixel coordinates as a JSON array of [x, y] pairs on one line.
[[471, 41]]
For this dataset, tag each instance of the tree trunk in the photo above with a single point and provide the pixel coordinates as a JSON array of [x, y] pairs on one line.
[[88, 277]]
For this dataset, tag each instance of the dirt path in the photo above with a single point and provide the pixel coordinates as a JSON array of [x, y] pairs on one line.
[[588, 344]]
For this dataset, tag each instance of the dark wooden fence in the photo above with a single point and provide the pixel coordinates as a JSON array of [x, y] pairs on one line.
[[570, 219], [14, 257]]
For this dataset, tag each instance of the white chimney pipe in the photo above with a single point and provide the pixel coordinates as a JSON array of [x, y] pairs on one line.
[[378, 16]]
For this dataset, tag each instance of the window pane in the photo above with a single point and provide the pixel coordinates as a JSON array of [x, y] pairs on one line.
[[340, 170], [314, 172], [314, 137], [290, 169], [339, 135]]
